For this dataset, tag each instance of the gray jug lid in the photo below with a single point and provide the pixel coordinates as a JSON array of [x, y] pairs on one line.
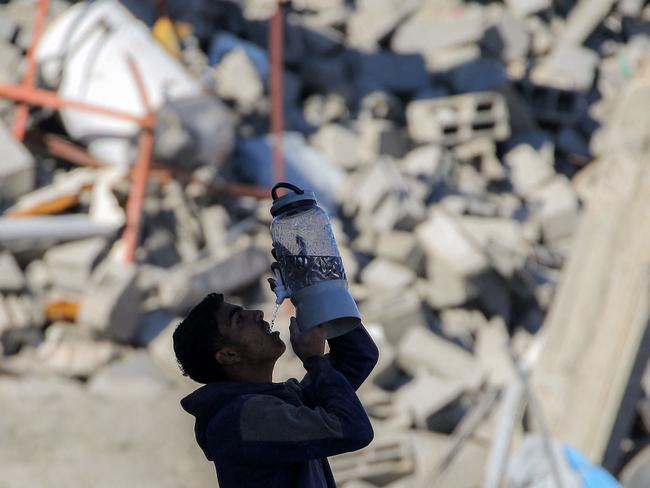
[[296, 195]]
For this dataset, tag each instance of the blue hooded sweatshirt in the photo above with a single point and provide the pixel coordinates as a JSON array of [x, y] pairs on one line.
[[278, 435]]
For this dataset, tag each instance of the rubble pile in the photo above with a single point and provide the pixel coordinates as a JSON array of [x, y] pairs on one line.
[[452, 143]]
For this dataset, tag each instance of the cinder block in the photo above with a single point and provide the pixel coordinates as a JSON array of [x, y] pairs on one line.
[[111, 303], [426, 395], [453, 120], [339, 144], [556, 206], [528, 169], [71, 264], [389, 457], [395, 312], [443, 239], [383, 273], [481, 154], [17, 168], [421, 349], [401, 247]]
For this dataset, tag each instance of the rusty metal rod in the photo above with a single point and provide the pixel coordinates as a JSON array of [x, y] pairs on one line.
[[22, 112], [50, 99]]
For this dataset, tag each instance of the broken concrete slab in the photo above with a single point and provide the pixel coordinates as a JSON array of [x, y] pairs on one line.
[[568, 67], [187, 284], [374, 20], [395, 313], [237, 79], [401, 247]]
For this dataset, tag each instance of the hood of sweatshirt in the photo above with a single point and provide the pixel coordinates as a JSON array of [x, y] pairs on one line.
[[208, 400]]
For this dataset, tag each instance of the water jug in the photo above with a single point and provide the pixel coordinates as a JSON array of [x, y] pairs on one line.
[[310, 263]]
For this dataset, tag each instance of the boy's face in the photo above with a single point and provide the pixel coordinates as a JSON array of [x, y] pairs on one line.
[[249, 334]]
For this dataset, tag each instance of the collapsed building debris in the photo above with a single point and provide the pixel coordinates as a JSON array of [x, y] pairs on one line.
[[464, 151]]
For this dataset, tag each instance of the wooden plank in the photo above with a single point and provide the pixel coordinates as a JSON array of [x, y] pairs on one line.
[[587, 375]]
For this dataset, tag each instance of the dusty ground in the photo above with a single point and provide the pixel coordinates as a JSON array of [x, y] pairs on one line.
[[56, 433]]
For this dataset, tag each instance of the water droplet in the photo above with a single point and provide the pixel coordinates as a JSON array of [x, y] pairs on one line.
[[275, 314]]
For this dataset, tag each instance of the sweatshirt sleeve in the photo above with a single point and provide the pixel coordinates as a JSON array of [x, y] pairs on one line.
[[354, 355], [272, 431]]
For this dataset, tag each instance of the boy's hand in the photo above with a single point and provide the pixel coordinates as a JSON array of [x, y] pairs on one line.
[[307, 344]]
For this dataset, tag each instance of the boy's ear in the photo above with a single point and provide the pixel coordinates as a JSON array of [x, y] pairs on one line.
[[227, 356]]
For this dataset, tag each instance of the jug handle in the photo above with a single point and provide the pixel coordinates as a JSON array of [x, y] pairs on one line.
[[289, 186]]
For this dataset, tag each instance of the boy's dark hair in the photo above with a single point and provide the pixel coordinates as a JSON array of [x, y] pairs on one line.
[[197, 338]]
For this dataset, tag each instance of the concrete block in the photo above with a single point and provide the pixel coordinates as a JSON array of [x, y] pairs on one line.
[[502, 241], [383, 273], [187, 284], [339, 144], [133, 375], [426, 161], [71, 351], [443, 239], [381, 137], [444, 287], [374, 20], [17, 168], [433, 28], [401, 247], [425, 396], [462, 325], [568, 67], [556, 206], [237, 79], [481, 154], [71, 264], [389, 457], [322, 109], [468, 181], [492, 351], [111, 303], [453, 120], [584, 18], [507, 36], [528, 169], [421, 349], [396, 313], [11, 276], [523, 8]]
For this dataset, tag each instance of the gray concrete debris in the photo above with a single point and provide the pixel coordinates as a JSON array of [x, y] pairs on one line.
[[186, 284], [527, 7], [421, 349], [135, 374], [339, 144], [70, 265], [237, 79], [383, 273], [112, 300], [528, 169], [11, 276], [556, 206], [71, 351], [17, 170]]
